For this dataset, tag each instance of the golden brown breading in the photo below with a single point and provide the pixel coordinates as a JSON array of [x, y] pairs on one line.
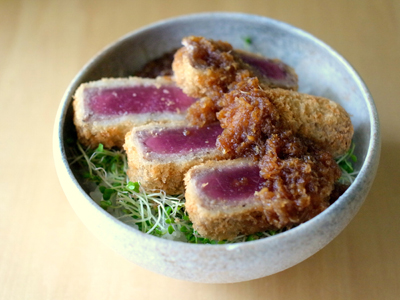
[[111, 130], [319, 119], [162, 171], [204, 67], [222, 219]]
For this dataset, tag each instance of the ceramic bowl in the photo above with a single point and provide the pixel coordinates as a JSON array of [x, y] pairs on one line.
[[321, 70]]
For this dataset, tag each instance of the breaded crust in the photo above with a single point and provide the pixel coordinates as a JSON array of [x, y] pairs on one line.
[[196, 78], [319, 119], [204, 67], [186, 76], [162, 171], [111, 130], [220, 220]]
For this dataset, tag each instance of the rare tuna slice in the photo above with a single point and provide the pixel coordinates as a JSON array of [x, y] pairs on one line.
[[233, 183], [105, 110], [180, 140], [271, 72], [135, 100]]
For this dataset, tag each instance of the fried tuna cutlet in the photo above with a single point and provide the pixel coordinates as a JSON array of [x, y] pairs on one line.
[[105, 110], [221, 201], [318, 119], [204, 67], [159, 155], [225, 199]]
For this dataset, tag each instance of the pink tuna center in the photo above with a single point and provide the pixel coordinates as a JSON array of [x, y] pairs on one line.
[[181, 140], [139, 99], [267, 67], [233, 183]]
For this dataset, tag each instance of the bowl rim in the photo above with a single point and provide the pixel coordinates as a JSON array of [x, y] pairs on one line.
[[369, 165]]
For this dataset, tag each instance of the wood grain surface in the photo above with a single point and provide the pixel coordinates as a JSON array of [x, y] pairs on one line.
[[45, 250]]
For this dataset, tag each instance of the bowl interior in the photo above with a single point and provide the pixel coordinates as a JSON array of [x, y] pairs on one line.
[[321, 72]]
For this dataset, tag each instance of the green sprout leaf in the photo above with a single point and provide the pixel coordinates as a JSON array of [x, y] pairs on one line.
[[345, 163], [247, 40], [105, 204], [100, 148], [251, 238], [108, 193], [133, 186]]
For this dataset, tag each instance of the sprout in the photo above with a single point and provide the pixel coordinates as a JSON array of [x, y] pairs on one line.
[[153, 211], [247, 40], [345, 163]]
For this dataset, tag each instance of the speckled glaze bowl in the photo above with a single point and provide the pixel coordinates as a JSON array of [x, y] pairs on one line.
[[321, 70]]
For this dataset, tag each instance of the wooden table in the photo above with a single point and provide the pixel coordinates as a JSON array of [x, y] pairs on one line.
[[47, 253]]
